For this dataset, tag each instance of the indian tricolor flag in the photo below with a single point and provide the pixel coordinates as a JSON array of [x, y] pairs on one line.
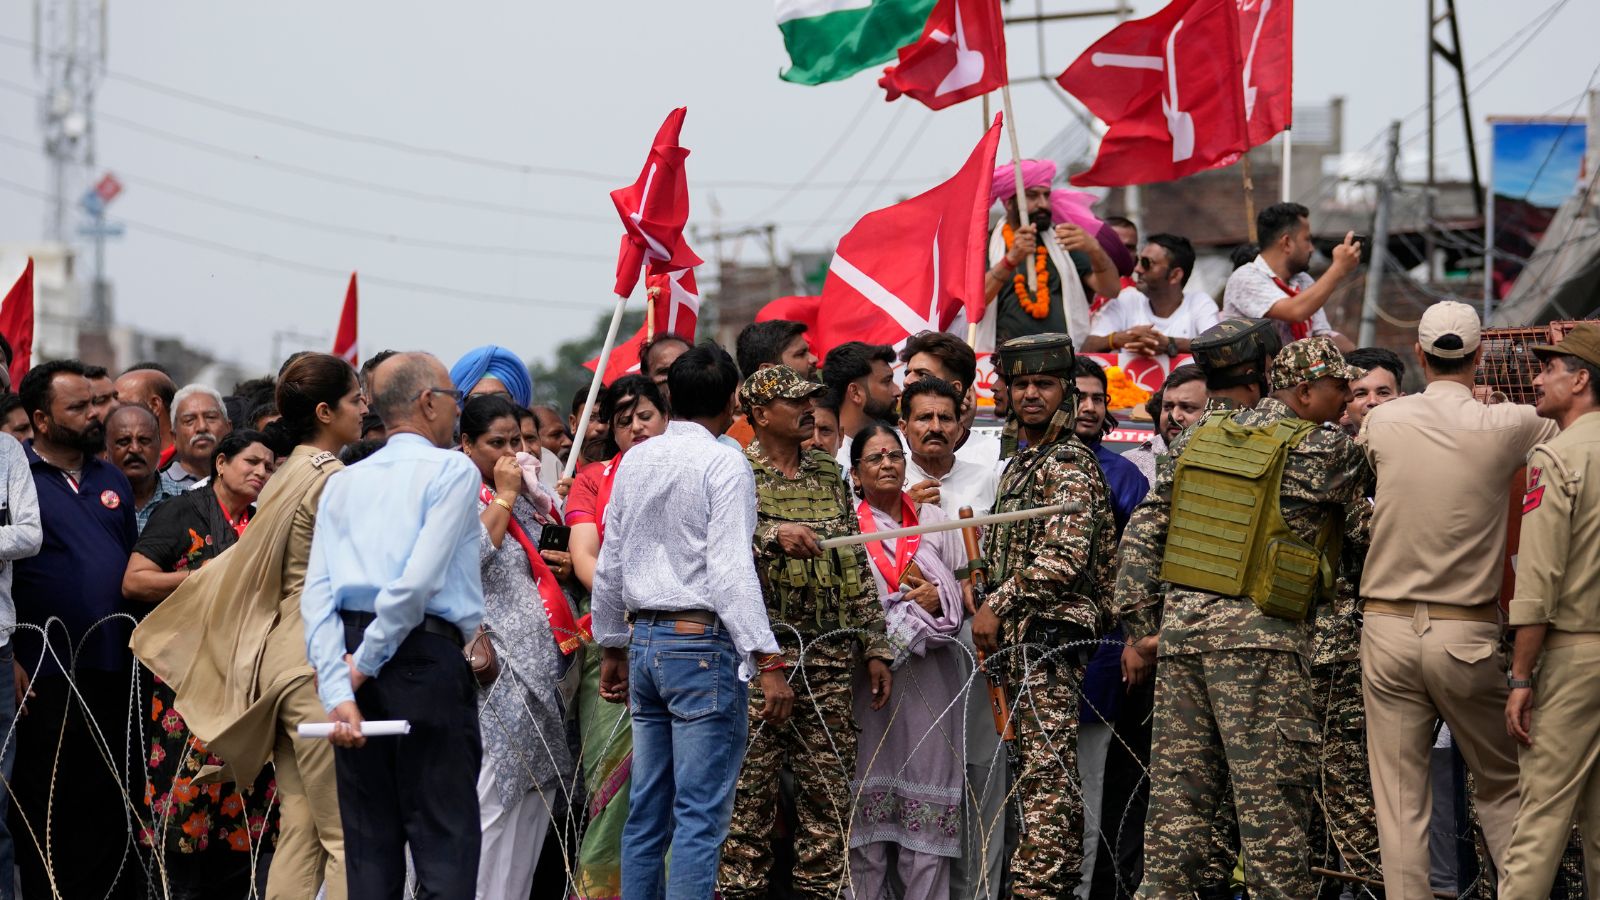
[[829, 40]]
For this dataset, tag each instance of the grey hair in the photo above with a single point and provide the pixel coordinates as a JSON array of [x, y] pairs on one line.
[[189, 390], [409, 375]]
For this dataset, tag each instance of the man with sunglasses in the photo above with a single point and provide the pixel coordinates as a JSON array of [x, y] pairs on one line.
[[1159, 316], [392, 594]]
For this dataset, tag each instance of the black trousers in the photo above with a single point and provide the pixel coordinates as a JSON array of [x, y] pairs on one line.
[[1119, 863], [92, 853], [420, 789]]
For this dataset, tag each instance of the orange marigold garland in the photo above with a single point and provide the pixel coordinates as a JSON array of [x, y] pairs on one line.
[[1037, 305]]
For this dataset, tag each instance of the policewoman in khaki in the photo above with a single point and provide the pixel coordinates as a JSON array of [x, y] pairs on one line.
[[1555, 711]]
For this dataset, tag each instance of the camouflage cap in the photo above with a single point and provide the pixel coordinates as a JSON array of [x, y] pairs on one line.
[[1309, 359], [1234, 342], [766, 385], [1049, 353]]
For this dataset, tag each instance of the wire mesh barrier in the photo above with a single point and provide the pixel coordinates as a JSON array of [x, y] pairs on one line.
[[1506, 372], [596, 746]]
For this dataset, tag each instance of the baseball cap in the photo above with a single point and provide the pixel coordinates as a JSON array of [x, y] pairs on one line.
[[1309, 359], [1583, 341], [766, 385], [1449, 330]]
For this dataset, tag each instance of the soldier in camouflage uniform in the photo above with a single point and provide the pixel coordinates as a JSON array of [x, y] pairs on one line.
[[1233, 695], [800, 498], [1052, 582]]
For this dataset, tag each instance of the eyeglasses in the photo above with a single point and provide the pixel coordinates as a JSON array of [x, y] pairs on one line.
[[877, 459], [454, 394], [1145, 262]]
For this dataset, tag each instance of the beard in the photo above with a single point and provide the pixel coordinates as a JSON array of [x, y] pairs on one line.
[[91, 440], [882, 411]]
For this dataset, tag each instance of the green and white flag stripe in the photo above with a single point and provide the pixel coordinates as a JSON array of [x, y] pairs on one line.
[[829, 40]]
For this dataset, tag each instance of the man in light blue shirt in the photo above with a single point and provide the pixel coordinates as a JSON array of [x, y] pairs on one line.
[[392, 594]]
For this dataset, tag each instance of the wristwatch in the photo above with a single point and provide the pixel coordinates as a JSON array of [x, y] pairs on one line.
[[1519, 684], [1172, 347]]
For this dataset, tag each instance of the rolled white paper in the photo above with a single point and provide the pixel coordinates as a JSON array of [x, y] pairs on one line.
[[379, 728]]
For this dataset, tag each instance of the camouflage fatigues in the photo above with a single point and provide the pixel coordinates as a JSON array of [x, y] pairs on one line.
[[1233, 690], [818, 743], [1052, 578], [1344, 824]]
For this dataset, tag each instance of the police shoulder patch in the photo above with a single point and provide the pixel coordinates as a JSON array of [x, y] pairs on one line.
[[1535, 492]]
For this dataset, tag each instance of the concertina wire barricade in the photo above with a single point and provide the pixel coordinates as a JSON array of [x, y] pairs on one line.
[[149, 866]]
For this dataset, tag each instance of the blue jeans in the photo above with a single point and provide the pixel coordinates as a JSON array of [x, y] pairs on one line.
[[691, 719], [8, 757]]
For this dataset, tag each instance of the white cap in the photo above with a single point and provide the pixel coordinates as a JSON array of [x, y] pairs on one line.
[[1447, 319]]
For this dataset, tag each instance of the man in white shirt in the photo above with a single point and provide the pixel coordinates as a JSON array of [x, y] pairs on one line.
[[1277, 285], [1159, 317], [676, 563], [931, 427]]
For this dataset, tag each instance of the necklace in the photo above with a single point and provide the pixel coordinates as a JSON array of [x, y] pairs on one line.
[[1036, 305]]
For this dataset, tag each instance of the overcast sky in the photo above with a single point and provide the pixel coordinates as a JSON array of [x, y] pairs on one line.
[[223, 242]]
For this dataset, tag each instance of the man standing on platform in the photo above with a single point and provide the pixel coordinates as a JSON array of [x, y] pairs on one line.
[[1556, 612], [1277, 284], [393, 592], [1052, 585], [810, 592]]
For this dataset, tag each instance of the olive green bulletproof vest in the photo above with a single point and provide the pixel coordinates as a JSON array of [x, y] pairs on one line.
[[811, 501], [1227, 534]]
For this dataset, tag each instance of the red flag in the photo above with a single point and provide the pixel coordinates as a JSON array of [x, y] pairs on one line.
[[654, 210], [344, 343], [16, 323], [676, 299], [1170, 87], [962, 54], [912, 266], [792, 309], [1266, 32]]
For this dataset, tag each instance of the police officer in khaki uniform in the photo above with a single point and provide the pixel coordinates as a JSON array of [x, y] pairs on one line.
[[1556, 611]]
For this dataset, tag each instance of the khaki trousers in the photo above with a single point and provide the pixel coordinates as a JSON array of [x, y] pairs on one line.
[[1415, 670], [1560, 772], [310, 837]]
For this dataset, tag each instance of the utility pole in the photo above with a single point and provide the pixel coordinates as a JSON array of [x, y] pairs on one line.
[[69, 50], [1452, 55], [1380, 240]]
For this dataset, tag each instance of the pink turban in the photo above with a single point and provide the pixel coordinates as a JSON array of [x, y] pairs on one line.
[[1065, 206]]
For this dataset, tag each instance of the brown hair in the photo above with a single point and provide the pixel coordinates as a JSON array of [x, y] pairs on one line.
[[311, 379]]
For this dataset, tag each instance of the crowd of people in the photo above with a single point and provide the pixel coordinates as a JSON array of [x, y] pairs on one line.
[[1221, 657]]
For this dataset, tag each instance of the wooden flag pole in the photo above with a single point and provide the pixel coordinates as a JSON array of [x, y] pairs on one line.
[[576, 452], [1022, 191], [650, 314], [1249, 200]]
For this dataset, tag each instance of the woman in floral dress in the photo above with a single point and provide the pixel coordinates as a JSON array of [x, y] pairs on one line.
[[206, 838]]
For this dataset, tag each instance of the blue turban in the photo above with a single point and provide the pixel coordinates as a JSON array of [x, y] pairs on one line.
[[497, 363]]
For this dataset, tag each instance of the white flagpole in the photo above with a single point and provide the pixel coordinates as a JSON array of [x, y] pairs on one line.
[[1022, 191], [1288, 164], [576, 452]]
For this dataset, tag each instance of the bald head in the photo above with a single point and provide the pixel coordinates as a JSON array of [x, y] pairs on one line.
[[154, 391], [411, 392]]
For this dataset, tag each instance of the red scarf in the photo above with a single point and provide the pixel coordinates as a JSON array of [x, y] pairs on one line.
[[568, 636], [238, 525], [905, 549], [608, 479], [1297, 330]]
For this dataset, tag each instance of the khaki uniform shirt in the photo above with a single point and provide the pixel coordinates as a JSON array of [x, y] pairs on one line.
[[1558, 561], [1444, 461]]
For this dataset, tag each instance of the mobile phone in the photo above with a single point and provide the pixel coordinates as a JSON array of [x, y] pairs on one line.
[[554, 538]]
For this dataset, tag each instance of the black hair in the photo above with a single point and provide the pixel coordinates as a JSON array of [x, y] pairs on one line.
[[1120, 222], [1084, 367], [524, 414], [762, 343], [354, 453], [148, 366], [701, 381], [1370, 358], [234, 443], [1277, 220], [1244, 255], [925, 386], [622, 395], [666, 337], [260, 412], [851, 361], [12, 401], [5, 350], [309, 381], [829, 401], [1180, 253], [372, 363], [581, 396], [481, 411], [288, 361], [1441, 365], [38, 386], [951, 352], [257, 391], [869, 431], [1179, 376], [93, 372]]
